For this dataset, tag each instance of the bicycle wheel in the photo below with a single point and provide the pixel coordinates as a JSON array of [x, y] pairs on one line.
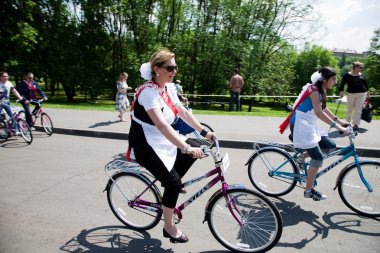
[[122, 191], [355, 194], [3, 130], [207, 127], [261, 223], [25, 131], [47, 123], [260, 171], [21, 114]]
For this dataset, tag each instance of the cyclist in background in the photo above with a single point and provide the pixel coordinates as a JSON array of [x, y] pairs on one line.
[[30, 89], [5, 88]]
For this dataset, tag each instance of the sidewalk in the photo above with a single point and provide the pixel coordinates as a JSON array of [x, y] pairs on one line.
[[232, 131]]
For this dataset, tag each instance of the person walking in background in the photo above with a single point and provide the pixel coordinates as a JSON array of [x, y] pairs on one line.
[[122, 102], [29, 89], [236, 83], [357, 91]]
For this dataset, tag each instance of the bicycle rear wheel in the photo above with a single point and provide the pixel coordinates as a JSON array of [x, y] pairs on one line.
[[261, 167], [122, 191], [3, 130], [355, 194], [47, 123], [25, 131], [261, 223]]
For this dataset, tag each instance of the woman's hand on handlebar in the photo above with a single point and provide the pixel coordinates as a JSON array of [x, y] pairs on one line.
[[195, 152], [210, 136], [343, 131]]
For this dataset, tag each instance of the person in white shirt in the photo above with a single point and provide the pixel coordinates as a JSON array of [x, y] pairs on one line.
[[153, 143]]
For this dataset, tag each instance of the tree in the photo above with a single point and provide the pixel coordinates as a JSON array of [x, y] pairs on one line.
[[372, 66], [310, 61]]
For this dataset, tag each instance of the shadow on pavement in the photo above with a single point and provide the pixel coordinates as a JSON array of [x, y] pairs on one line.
[[335, 134], [113, 239], [292, 214], [13, 142], [104, 123]]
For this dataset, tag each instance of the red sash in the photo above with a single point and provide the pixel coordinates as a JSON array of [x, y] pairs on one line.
[[32, 88], [164, 96], [307, 92]]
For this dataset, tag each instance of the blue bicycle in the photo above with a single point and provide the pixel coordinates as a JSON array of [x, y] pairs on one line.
[[276, 169]]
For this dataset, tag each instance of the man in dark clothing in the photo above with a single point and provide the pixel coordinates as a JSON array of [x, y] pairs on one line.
[[29, 90]]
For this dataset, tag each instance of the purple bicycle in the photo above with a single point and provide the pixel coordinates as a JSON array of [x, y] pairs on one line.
[[240, 219], [17, 127]]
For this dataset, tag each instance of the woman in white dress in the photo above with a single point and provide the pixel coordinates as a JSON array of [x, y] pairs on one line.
[[153, 143], [122, 102]]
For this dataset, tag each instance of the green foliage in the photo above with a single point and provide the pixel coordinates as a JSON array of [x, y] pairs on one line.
[[83, 45], [310, 61]]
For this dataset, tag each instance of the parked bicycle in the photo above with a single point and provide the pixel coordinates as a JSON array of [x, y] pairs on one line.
[[240, 219], [46, 122], [17, 127], [276, 169]]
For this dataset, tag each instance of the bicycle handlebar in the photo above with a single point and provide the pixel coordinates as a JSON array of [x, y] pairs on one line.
[[39, 101]]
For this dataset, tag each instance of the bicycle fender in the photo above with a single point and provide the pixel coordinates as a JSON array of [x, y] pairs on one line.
[[230, 187], [347, 167]]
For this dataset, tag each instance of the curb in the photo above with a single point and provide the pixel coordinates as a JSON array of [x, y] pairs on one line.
[[236, 144]]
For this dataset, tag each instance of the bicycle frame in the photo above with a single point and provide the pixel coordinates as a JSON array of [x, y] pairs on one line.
[[346, 152], [219, 177]]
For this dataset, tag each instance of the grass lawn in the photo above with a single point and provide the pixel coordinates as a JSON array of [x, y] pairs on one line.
[[258, 109]]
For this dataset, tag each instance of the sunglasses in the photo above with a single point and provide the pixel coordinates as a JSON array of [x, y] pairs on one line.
[[170, 68], [359, 67]]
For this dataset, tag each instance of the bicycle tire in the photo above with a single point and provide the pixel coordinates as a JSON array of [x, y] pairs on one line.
[[121, 190], [21, 114], [4, 130], [207, 127], [47, 124], [25, 131], [261, 227], [354, 193], [263, 162]]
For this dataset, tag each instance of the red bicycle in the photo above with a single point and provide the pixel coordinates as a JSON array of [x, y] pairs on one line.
[[46, 122]]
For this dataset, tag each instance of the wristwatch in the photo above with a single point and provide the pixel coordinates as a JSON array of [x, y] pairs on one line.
[[185, 149]]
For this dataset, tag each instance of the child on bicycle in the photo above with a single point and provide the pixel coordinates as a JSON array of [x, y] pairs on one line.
[[5, 88], [310, 105], [30, 89]]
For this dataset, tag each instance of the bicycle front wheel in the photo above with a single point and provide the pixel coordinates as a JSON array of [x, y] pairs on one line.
[[3, 130], [355, 194], [123, 192], [25, 131], [244, 222], [47, 123], [270, 171]]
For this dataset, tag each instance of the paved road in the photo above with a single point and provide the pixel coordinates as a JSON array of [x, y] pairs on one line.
[[233, 131], [51, 200]]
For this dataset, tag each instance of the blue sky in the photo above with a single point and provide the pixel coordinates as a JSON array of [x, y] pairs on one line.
[[347, 24]]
